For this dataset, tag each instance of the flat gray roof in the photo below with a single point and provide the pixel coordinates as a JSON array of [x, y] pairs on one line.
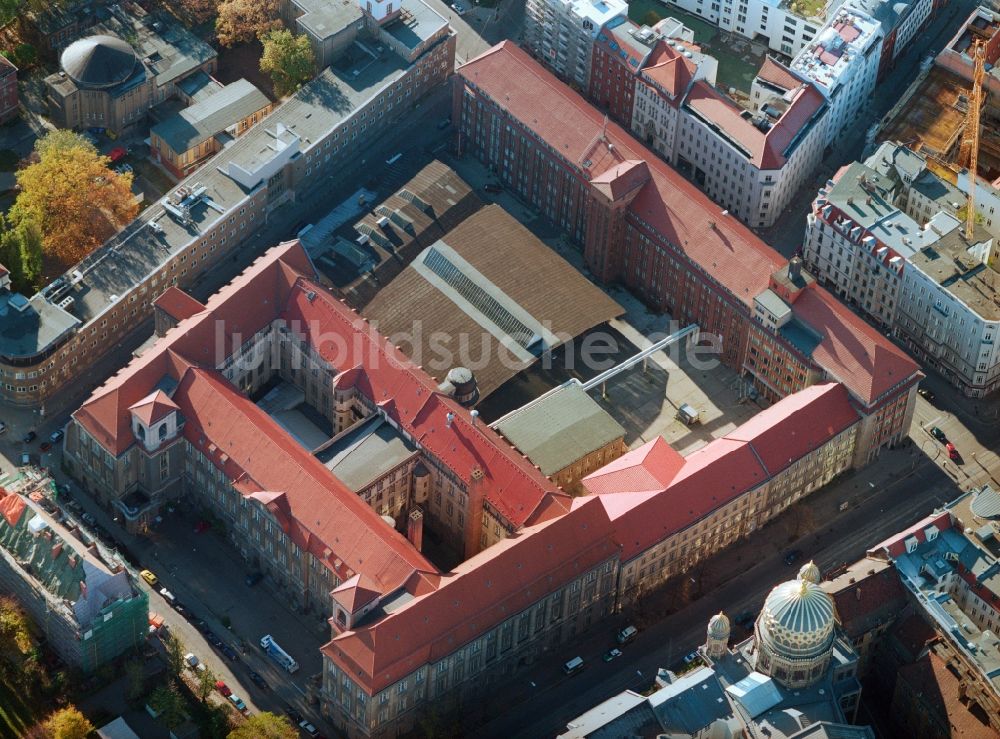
[[951, 265], [363, 455], [327, 19], [199, 86], [560, 428], [417, 23], [211, 116], [318, 108], [26, 333]]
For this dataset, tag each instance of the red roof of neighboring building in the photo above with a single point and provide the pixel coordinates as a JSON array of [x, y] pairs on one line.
[[767, 149], [649, 467], [4, 271], [178, 304], [851, 351], [11, 507], [504, 580], [895, 545], [153, 407], [941, 695], [778, 74], [797, 425], [734, 256], [670, 70]]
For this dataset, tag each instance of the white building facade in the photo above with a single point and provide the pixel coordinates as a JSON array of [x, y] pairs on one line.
[[843, 62], [561, 33]]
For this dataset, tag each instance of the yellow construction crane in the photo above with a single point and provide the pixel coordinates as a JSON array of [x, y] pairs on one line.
[[969, 151]]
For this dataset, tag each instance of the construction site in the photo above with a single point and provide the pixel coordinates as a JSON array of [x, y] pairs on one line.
[[932, 118]]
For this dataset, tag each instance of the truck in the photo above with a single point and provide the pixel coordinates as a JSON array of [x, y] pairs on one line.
[[279, 655]]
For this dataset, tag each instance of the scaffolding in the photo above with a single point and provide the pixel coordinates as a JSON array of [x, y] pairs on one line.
[[969, 153]]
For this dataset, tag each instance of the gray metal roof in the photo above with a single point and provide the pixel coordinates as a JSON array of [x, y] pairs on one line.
[[211, 116], [199, 86], [327, 19], [366, 453], [560, 428], [692, 703], [417, 23], [986, 504], [97, 62]]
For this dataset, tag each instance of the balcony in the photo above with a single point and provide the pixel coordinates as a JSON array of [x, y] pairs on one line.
[[134, 505]]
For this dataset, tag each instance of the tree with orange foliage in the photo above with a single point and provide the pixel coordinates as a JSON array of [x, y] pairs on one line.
[[194, 12], [73, 196], [240, 21]]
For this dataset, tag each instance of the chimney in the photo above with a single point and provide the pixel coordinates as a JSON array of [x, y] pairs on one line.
[[415, 528], [857, 593], [475, 417], [795, 268], [448, 419], [474, 514]]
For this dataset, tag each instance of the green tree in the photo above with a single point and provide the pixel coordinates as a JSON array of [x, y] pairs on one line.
[[175, 655], [71, 194], [21, 253], [135, 679], [167, 701], [288, 59], [206, 683], [68, 723], [16, 641], [25, 55], [241, 21], [265, 726]]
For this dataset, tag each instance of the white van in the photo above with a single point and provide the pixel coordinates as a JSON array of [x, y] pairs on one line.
[[573, 666], [627, 634]]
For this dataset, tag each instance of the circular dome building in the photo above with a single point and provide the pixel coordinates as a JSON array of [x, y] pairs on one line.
[[717, 639], [794, 632], [99, 62]]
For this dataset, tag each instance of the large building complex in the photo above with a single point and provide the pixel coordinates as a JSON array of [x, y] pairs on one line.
[[48, 339], [796, 676], [86, 604], [879, 236], [329, 454], [643, 225]]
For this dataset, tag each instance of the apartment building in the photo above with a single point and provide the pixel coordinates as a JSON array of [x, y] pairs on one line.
[[561, 33], [948, 565], [921, 279], [84, 602], [9, 100], [644, 226], [752, 163], [843, 62], [62, 330]]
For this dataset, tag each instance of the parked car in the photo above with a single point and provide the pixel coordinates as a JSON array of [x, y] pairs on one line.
[[613, 654], [691, 657], [926, 394], [191, 660], [45, 446], [459, 8], [308, 728], [223, 688], [443, 124], [253, 578], [119, 152], [238, 702], [792, 556], [257, 680], [56, 436], [229, 652], [952, 452], [939, 434], [493, 188], [149, 577], [90, 521], [293, 714], [29, 437], [212, 639], [202, 526]]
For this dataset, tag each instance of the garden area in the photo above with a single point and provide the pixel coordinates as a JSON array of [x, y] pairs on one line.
[[738, 63]]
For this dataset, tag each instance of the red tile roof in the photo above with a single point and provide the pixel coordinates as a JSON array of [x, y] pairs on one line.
[[513, 486], [506, 579], [766, 149], [734, 256], [940, 694], [670, 70], [778, 74], [178, 304], [796, 425], [649, 467], [153, 407], [851, 351], [895, 545], [11, 507], [315, 510]]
